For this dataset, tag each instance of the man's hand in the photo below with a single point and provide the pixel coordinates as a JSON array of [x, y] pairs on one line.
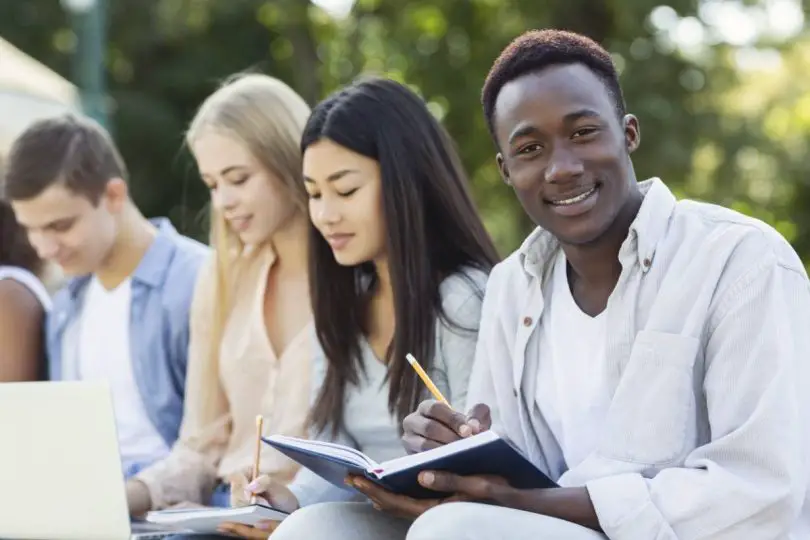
[[570, 504], [435, 424], [266, 492], [393, 504], [481, 488]]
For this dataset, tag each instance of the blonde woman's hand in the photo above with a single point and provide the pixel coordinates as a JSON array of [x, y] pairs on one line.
[[267, 492]]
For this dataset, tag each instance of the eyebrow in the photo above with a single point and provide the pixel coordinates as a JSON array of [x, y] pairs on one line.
[[232, 168], [581, 113], [530, 129], [334, 176], [49, 225]]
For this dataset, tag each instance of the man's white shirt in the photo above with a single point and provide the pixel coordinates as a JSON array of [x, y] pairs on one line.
[[104, 355], [705, 432]]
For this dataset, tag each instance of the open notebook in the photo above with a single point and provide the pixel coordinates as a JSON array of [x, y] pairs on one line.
[[485, 453], [206, 520]]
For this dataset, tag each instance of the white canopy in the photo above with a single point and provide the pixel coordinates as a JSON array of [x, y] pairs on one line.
[[29, 91]]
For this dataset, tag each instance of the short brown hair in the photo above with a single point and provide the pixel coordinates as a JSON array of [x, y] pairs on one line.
[[70, 149]]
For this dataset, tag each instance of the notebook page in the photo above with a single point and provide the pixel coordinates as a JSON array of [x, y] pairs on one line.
[[414, 460], [207, 520]]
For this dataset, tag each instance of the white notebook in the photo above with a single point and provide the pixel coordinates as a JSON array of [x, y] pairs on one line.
[[206, 520]]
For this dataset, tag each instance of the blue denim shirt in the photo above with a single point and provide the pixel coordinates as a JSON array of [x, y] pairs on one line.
[[162, 290]]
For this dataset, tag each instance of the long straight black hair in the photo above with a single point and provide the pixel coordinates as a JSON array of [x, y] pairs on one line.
[[433, 231]]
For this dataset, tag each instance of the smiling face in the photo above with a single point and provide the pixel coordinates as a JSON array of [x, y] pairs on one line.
[[345, 201], [67, 228], [565, 151], [250, 198]]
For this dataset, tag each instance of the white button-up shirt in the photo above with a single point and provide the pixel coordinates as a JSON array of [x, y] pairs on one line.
[[707, 435]]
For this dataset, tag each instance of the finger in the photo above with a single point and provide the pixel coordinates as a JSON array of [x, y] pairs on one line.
[[259, 486], [369, 489], [430, 430], [453, 420], [378, 495], [479, 418], [476, 487], [416, 443], [399, 505]]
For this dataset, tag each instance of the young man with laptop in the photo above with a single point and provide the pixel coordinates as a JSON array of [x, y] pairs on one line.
[[123, 316]]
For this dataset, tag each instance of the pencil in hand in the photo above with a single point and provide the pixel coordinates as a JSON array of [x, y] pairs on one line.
[[258, 454], [424, 376]]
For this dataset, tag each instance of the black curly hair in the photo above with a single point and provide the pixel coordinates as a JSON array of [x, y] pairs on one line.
[[14, 247], [536, 50], [15, 250]]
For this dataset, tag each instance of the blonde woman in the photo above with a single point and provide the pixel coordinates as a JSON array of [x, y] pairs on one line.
[[250, 348]]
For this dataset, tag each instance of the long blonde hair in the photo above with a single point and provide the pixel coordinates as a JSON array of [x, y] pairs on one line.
[[267, 117]]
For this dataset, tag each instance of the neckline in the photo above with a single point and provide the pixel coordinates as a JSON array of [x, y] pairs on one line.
[[562, 284], [269, 259]]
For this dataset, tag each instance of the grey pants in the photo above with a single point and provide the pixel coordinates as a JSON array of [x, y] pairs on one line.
[[455, 521]]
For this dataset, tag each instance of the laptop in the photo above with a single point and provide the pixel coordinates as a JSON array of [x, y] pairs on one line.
[[60, 465]]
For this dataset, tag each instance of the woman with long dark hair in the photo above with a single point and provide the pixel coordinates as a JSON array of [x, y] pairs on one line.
[[399, 260], [23, 303]]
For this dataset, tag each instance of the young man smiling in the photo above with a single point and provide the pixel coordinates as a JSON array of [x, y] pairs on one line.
[[650, 355], [123, 316]]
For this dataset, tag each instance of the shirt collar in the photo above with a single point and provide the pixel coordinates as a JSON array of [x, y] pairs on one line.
[[154, 265], [642, 240]]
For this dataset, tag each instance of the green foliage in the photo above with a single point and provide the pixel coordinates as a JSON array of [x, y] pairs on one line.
[[165, 56]]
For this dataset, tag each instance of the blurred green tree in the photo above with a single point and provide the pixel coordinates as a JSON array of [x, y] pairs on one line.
[[165, 56]]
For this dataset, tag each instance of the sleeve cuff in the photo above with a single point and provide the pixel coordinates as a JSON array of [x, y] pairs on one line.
[[625, 510]]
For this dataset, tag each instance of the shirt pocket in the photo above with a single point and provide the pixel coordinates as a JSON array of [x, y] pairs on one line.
[[652, 412]]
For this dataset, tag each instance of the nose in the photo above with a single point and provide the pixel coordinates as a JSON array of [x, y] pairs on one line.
[[223, 198], [328, 211], [46, 246], [563, 165]]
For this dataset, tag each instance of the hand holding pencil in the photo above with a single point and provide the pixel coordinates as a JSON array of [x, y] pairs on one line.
[[435, 423]]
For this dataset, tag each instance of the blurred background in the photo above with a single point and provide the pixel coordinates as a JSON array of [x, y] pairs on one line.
[[721, 87]]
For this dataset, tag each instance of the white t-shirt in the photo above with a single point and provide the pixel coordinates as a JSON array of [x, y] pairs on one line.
[[104, 355], [572, 390]]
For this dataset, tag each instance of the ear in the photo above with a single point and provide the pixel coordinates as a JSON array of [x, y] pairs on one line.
[[116, 194], [503, 169], [632, 133]]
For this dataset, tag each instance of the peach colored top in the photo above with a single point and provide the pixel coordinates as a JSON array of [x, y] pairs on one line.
[[217, 437]]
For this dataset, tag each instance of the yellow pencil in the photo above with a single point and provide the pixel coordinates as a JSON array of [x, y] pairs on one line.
[[424, 376], [258, 454]]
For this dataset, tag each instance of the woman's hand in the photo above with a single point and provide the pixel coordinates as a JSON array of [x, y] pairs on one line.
[[267, 492]]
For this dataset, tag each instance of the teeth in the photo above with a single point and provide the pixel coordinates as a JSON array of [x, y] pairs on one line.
[[574, 200]]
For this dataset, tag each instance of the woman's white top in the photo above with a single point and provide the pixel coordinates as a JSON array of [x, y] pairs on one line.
[[31, 282]]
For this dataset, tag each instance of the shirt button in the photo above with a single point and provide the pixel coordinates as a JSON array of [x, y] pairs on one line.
[[647, 263], [514, 392], [527, 321]]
